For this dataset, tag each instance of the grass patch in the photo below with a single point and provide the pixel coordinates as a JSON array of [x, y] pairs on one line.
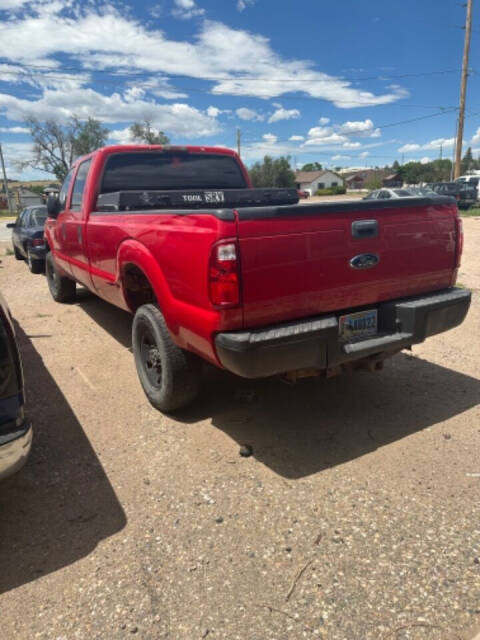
[[5, 213], [8, 251], [470, 213]]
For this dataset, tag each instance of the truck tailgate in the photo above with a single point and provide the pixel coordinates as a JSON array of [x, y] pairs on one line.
[[299, 261]]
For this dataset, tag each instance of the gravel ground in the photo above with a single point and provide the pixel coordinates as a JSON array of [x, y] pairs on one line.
[[356, 517]]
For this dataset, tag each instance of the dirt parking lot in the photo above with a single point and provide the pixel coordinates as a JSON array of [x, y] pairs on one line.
[[357, 516]]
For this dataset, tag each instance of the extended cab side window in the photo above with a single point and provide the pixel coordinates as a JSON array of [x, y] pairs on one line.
[[62, 196], [79, 186]]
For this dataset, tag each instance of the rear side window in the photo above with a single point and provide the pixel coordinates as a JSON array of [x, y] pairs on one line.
[[79, 186], [151, 171]]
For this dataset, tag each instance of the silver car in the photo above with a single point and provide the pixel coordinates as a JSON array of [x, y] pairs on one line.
[[387, 194]]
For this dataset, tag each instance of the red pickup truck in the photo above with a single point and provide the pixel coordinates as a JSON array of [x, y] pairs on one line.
[[248, 279]]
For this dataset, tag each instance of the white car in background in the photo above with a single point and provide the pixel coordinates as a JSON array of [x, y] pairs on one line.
[[386, 194]]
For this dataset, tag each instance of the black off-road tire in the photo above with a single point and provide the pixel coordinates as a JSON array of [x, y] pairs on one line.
[[62, 288], [170, 376], [34, 264], [17, 254]]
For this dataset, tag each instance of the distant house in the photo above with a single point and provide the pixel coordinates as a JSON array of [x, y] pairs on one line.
[[315, 180], [393, 180], [358, 179]]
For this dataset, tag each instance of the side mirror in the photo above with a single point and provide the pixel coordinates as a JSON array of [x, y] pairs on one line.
[[11, 225], [53, 206]]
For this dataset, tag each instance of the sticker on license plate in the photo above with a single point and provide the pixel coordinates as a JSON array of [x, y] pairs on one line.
[[353, 325]]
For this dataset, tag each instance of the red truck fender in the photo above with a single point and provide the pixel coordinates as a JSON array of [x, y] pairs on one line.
[[135, 254]]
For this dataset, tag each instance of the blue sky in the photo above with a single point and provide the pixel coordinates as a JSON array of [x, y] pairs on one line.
[[347, 84]]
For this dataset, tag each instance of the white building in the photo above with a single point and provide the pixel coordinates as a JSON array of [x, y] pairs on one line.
[[315, 180]]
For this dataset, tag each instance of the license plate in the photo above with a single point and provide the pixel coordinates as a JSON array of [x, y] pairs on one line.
[[353, 325]]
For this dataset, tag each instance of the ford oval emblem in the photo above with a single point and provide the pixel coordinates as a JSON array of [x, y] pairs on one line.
[[364, 261]]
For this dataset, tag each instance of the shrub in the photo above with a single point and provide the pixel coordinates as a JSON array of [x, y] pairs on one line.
[[331, 191]]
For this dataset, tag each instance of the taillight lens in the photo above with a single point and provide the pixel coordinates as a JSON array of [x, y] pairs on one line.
[[459, 240], [223, 275], [38, 242]]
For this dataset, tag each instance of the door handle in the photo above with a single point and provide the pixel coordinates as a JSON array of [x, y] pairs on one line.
[[364, 229]]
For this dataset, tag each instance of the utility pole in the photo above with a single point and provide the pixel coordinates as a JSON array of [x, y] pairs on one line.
[[463, 89], [239, 135], [5, 182]]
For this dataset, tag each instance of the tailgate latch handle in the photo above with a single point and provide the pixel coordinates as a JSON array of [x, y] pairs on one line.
[[364, 229]]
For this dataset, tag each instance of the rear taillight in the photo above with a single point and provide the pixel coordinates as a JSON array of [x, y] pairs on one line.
[[458, 241], [38, 242], [224, 275]]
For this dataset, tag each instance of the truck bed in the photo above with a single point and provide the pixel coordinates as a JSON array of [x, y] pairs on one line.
[[296, 261]]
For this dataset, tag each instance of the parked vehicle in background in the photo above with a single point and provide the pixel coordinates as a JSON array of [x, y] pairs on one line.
[[421, 191], [15, 429], [471, 179], [465, 193], [303, 194], [248, 279], [27, 237], [387, 194]]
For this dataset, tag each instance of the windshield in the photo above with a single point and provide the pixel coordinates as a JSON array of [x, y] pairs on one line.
[[152, 171], [402, 193], [38, 217]]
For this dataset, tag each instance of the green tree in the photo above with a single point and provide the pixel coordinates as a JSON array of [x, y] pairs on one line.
[[468, 162], [373, 183], [56, 145], [312, 166], [272, 173], [144, 132], [395, 166], [91, 135]]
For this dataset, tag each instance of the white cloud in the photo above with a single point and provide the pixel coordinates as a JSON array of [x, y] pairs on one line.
[[425, 160], [446, 143], [12, 4], [333, 139], [359, 128], [105, 39], [156, 11], [320, 132], [270, 138], [407, 148], [440, 142], [243, 4], [296, 138], [323, 121], [14, 130], [186, 9], [340, 157], [159, 87], [175, 119], [364, 154], [284, 114], [476, 137], [249, 114], [351, 145]]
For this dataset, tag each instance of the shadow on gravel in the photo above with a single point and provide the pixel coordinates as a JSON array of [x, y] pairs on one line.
[[317, 423], [61, 505], [301, 429], [115, 321]]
